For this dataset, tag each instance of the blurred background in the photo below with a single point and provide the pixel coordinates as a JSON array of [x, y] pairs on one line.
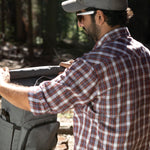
[[39, 32]]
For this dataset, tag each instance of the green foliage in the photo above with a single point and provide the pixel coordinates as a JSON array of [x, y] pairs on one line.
[[82, 36], [9, 32], [67, 26]]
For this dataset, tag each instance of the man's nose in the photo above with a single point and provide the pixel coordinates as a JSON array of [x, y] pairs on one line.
[[80, 24]]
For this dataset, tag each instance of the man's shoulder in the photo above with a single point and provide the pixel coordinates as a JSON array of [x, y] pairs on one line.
[[107, 51]]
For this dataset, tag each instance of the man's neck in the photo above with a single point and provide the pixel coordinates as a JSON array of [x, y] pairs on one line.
[[106, 29]]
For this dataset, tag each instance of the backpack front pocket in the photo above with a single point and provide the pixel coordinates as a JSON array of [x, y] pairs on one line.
[[39, 137], [7, 132]]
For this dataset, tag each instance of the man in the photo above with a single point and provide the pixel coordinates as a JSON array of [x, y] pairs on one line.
[[109, 87]]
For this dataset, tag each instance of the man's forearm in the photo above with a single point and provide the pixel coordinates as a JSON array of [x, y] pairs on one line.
[[16, 95]]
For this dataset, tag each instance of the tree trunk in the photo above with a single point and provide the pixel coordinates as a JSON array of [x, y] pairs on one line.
[[50, 27], [20, 27], [3, 16], [30, 29]]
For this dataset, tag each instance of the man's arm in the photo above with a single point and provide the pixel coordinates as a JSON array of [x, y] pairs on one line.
[[15, 94]]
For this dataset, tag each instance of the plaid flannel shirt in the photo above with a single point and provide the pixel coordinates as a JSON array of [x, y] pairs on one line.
[[109, 89]]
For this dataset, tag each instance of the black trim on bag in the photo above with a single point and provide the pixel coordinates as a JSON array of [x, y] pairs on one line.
[[14, 128]]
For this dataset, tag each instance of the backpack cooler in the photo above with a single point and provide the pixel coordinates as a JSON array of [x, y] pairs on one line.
[[20, 129]]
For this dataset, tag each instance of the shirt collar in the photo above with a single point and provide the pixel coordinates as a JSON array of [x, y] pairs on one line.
[[112, 35]]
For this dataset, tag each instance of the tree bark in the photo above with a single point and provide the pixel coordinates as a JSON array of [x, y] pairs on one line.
[[50, 27], [20, 27], [3, 16], [30, 29]]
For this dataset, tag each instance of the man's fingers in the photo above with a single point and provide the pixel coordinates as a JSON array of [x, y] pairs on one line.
[[4, 75], [71, 61], [66, 64], [6, 69]]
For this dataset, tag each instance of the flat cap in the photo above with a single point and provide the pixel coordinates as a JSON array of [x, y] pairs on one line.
[[77, 5]]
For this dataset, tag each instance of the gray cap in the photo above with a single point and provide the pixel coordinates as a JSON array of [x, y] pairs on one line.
[[77, 5]]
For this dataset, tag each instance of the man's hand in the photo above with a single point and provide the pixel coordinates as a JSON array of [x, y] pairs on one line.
[[66, 64], [4, 75]]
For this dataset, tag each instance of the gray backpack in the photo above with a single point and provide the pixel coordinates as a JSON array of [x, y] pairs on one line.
[[20, 129]]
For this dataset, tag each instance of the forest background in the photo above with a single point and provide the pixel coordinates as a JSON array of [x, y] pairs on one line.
[[40, 29], [39, 32]]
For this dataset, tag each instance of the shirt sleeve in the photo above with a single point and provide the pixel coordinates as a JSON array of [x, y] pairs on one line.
[[76, 86]]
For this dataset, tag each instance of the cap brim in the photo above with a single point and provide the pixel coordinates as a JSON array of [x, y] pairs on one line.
[[72, 6]]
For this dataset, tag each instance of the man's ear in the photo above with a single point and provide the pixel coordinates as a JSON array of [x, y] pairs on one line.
[[100, 17]]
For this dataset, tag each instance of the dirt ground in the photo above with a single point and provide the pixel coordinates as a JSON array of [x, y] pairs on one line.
[[65, 135]]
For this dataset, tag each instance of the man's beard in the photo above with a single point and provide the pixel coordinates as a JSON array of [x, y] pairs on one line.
[[93, 32]]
